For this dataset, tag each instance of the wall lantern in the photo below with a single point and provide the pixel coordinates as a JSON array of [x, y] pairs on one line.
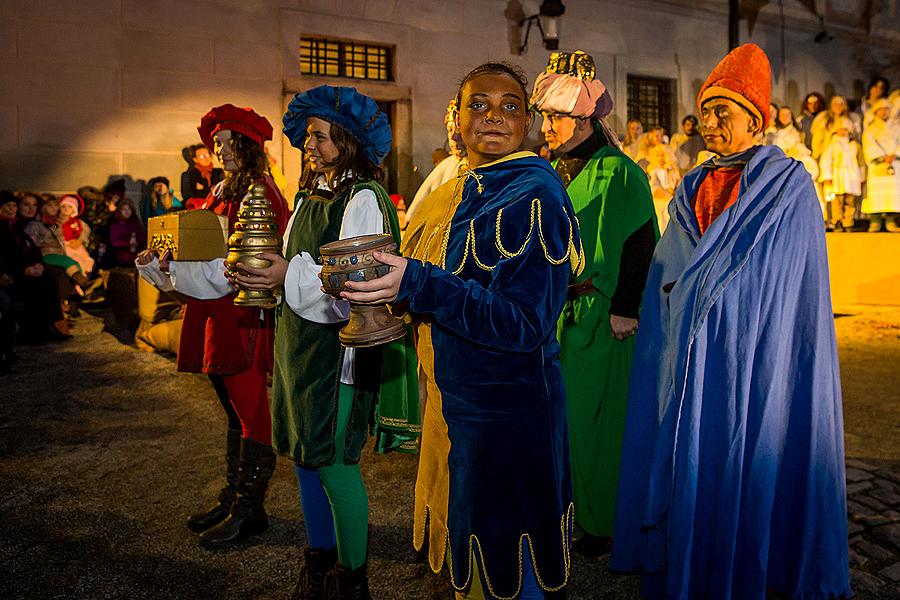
[[547, 21]]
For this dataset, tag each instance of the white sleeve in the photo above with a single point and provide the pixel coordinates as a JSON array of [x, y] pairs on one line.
[[302, 284], [204, 280], [303, 296], [152, 274], [362, 216]]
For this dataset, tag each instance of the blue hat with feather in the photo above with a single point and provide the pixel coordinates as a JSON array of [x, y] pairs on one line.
[[355, 113]]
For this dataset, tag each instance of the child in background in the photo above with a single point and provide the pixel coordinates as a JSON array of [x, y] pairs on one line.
[[841, 171], [76, 232], [127, 237], [50, 211]]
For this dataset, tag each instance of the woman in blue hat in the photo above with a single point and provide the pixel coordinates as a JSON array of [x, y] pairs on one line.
[[323, 395]]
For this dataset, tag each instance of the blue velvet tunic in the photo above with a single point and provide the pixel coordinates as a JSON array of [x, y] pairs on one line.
[[493, 299]]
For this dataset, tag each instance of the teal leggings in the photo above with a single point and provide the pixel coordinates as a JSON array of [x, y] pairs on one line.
[[334, 500]]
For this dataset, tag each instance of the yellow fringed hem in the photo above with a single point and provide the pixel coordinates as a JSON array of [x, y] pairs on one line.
[[567, 522], [575, 255]]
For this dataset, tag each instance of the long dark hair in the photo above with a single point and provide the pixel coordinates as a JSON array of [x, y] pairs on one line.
[[350, 166], [252, 165]]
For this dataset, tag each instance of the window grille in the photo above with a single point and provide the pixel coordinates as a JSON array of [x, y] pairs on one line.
[[338, 58], [650, 100]]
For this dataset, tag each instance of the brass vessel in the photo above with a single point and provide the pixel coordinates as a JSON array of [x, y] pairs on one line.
[[255, 232], [352, 259]]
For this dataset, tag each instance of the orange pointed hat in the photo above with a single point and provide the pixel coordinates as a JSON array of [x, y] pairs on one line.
[[743, 76]]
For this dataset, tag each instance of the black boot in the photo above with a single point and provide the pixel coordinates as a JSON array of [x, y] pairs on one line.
[[316, 564], [202, 521], [343, 584], [248, 517]]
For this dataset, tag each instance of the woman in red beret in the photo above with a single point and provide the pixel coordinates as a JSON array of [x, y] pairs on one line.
[[231, 344]]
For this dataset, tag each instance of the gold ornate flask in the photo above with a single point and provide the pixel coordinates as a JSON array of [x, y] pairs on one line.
[[255, 232]]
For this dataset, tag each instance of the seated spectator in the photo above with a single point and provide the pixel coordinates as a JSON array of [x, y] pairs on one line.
[[45, 233], [98, 212], [24, 283], [160, 199], [123, 238], [199, 177], [76, 232]]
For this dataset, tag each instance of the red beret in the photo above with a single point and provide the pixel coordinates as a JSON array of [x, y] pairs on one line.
[[230, 117], [745, 77]]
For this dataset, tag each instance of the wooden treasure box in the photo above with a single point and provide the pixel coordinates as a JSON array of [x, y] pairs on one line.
[[189, 235]]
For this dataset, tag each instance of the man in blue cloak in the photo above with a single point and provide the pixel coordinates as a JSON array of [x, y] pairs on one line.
[[732, 475]]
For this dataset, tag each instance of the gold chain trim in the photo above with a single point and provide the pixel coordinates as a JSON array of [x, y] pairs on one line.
[[566, 524], [499, 241], [574, 255]]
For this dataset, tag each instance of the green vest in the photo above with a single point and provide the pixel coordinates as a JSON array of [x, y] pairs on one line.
[[308, 355]]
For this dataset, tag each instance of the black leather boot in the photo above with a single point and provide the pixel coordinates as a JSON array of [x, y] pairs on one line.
[[248, 517], [316, 564], [343, 584], [200, 522]]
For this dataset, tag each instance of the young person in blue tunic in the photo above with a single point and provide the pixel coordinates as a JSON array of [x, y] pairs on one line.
[[732, 474], [490, 259], [323, 395]]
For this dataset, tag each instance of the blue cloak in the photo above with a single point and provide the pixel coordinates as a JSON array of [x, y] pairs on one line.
[[732, 475]]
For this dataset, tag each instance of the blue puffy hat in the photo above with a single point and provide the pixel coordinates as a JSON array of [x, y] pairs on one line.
[[356, 113]]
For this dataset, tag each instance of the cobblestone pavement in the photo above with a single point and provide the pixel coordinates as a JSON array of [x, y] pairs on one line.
[[874, 528], [105, 450], [869, 345]]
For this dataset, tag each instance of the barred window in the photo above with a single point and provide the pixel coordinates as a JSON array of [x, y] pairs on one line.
[[650, 100], [338, 58]]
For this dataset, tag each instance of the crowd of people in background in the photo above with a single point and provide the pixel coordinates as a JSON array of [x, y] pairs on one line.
[[57, 251], [851, 155]]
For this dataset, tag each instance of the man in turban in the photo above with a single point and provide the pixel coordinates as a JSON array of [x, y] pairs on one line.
[[732, 480], [611, 196]]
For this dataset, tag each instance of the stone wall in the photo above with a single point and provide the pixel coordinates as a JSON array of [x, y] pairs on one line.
[[95, 88]]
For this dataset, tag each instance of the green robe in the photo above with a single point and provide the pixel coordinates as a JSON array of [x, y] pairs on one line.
[[308, 358], [612, 200]]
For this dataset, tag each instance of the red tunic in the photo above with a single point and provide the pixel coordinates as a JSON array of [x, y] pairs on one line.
[[217, 336], [718, 191]]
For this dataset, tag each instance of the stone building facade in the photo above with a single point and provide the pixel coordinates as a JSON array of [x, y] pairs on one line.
[[95, 88]]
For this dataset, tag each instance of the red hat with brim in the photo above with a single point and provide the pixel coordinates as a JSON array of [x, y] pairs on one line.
[[744, 76], [232, 118]]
